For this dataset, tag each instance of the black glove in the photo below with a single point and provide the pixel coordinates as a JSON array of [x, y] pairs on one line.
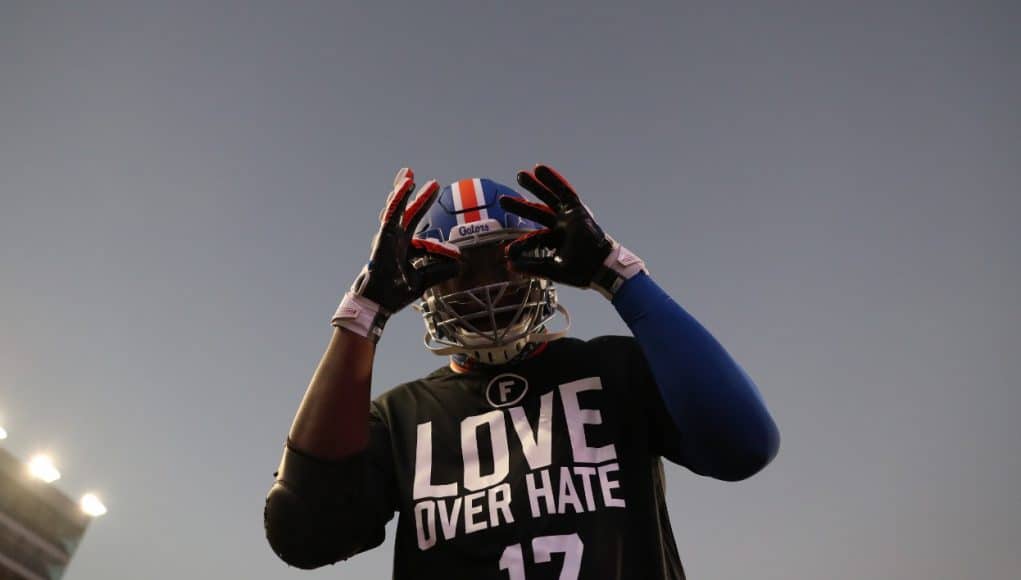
[[390, 281], [578, 252]]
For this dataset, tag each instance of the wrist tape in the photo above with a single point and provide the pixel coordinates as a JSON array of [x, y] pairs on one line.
[[620, 265], [361, 316]]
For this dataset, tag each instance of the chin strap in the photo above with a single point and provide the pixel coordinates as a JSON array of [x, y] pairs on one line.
[[501, 355], [463, 362]]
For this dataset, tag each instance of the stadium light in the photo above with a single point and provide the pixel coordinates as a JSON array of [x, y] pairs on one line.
[[41, 467], [3, 434], [92, 506]]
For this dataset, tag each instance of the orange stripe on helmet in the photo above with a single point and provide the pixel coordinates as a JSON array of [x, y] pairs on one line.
[[469, 200]]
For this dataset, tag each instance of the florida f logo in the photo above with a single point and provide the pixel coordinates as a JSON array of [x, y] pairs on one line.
[[506, 389]]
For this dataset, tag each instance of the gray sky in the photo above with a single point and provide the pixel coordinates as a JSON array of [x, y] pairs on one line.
[[187, 188]]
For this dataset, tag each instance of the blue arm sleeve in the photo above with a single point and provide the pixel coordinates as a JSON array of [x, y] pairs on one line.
[[725, 430]]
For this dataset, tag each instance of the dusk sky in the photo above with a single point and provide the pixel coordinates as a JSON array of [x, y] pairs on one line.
[[832, 188]]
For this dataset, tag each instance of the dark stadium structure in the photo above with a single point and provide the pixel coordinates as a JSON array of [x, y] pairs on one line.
[[40, 527]]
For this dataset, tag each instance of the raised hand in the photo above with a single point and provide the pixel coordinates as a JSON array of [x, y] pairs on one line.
[[572, 249], [390, 280]]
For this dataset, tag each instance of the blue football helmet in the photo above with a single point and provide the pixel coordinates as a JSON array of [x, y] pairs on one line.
[[488, 312]]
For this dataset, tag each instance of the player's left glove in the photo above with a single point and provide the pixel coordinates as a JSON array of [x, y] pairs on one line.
[[572, 249]]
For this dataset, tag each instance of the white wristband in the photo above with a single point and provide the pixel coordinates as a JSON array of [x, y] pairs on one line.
[[619, 265], [359, 315], [623, 262]]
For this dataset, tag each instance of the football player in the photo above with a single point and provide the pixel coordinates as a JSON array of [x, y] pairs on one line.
[[531, 455]]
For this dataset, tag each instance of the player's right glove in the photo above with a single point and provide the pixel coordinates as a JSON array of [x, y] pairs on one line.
[[390, 281]]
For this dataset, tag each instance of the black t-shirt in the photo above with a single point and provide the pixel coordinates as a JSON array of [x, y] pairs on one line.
[[544, 469]]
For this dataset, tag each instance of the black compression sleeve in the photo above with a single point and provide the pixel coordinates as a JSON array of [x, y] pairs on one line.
[[319, 512]]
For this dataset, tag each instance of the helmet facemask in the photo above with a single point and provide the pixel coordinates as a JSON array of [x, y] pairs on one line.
[[489, 312]]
